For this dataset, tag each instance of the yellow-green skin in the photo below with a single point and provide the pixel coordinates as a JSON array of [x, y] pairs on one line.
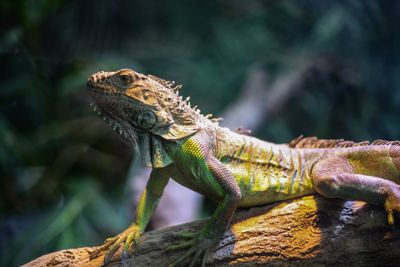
[[231, 168], [264, 172]]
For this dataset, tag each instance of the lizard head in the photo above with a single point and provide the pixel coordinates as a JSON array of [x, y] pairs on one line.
[[142, 105]]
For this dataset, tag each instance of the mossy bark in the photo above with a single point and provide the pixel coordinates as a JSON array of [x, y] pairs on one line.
[[309, 231]]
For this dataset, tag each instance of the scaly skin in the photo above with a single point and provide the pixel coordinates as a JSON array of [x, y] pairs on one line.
[[178, 142]]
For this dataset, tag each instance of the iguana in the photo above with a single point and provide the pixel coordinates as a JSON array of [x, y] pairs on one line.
[[234, 169]]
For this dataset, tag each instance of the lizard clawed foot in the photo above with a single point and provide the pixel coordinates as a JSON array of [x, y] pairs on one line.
[[127, 238], [392, 203], [199, 248], [184, 235]]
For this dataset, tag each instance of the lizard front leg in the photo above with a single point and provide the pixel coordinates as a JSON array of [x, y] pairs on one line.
[[208, 237], [147, 204]]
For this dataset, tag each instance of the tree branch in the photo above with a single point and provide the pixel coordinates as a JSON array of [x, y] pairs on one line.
[[309, 231]]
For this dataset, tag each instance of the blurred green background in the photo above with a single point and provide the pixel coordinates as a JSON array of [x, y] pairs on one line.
[[63, 171]]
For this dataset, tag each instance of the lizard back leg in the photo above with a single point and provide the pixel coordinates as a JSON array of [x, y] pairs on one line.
[[335, 178]]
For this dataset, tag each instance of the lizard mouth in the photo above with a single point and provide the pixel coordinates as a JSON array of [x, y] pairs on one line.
[[105, 104]]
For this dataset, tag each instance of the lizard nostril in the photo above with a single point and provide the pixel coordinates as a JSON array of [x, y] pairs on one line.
[[92, 79]]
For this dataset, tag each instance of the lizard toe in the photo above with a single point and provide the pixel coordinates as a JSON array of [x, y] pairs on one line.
[[199, 250], [392, 203]]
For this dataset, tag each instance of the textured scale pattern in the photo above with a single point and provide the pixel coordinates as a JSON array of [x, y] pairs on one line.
[[192, 147]]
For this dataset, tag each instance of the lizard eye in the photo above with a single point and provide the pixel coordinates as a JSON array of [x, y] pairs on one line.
[[147, 120], [126, 78]]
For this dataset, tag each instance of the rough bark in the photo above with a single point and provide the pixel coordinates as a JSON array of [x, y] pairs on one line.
[[309, 231]]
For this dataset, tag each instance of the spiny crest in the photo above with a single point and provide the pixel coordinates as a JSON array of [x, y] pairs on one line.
[[243, 131], [314, 142], [181, 105], [212, 118], [168, 84]]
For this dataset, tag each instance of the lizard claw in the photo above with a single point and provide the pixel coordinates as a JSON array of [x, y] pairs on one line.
[[392, 203], [107, 243], [390, 217], [184, 235], [127, 238], [180, 246], [199, 249]]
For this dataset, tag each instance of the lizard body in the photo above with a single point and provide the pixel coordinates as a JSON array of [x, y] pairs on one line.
[[234, 169], [264, 172]]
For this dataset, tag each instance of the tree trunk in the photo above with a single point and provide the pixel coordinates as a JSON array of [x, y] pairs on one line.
[[309, 231]]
